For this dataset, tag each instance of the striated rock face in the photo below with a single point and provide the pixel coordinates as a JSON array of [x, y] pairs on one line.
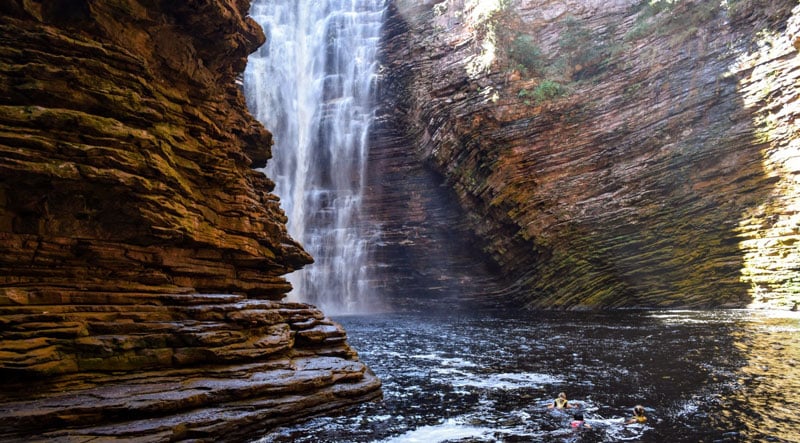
[[609, 154], [427, 258], [172, 368], [127, 188], [127, 155]]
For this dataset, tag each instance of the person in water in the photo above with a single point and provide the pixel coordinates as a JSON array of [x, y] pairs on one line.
[[578, 422], [560, 402], [638, 415]]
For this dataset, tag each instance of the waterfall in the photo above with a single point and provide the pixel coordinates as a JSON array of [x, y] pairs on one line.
[[311, 84]]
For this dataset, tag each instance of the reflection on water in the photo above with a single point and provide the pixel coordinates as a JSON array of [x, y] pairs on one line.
[[768, 404], [714, 376]]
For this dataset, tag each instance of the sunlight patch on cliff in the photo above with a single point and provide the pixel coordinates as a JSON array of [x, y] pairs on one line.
[[770, 233], [478, 18], [482, 62], [479, 15]]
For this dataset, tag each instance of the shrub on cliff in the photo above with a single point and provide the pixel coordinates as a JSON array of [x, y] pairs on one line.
[[525, 53], [546, 90]]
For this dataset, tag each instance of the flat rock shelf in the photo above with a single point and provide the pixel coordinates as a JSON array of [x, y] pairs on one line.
[[178, 367]]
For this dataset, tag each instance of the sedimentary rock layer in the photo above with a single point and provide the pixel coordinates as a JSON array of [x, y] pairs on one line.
[[426, 257], [127, 152], [129, 211], [171, 368], [610, 154]]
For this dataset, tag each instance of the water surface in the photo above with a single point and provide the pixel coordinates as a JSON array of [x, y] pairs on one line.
[[703, 376]]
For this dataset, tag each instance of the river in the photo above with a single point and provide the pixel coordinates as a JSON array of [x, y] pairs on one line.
[[702, 376]]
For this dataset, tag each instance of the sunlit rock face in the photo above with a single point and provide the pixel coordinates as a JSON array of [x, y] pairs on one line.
[[127, 189], [128, 153], [610, 154]]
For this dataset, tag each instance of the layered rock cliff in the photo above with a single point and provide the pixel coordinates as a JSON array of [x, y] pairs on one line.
[[127, 192], [611, 154], [128, 154]]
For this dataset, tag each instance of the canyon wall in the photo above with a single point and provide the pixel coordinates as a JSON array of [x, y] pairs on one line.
[[426, 257], [609, 154], [142, 257]]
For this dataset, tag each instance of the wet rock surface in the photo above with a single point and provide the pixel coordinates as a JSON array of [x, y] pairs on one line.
[[171, 368], [129, 213], [609, 154]]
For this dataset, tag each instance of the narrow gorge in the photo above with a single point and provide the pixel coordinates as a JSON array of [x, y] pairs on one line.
[[158, 190]]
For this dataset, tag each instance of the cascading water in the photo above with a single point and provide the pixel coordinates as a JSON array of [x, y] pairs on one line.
[[311, 84]]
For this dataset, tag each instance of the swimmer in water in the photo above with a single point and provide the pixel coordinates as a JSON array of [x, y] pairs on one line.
[[560, 402], [638, 415], [578, 422]]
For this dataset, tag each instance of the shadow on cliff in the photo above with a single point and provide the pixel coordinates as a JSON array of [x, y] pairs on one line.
[[686, 189], [641, 187], [428, 256]]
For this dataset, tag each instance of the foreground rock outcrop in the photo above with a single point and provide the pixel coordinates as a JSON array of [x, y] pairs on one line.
[[129, 207], [611, 154], [171, 368]]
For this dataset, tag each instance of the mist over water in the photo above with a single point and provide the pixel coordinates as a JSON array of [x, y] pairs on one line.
[[312, 85]]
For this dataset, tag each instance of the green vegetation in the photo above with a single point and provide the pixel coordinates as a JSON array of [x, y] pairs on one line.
[[587, 53], [525, 53], [640, 30], [654, 7], [644, 23], [681, 18], [583, 53], [546, 90], [577, 42]]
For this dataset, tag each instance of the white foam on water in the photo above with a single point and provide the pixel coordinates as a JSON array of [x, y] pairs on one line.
[[619, 431], [425, 356], [449, 430], [458, 362], [506, 380], [449, 371]]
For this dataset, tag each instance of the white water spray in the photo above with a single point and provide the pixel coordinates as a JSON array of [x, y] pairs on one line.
[[311, 85]]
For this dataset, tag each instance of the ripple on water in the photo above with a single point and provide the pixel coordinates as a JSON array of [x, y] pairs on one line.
[[505, 380], [721, 376]]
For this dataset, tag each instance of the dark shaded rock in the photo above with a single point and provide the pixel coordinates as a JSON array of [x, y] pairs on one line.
[[155, 370], [427, 257]]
